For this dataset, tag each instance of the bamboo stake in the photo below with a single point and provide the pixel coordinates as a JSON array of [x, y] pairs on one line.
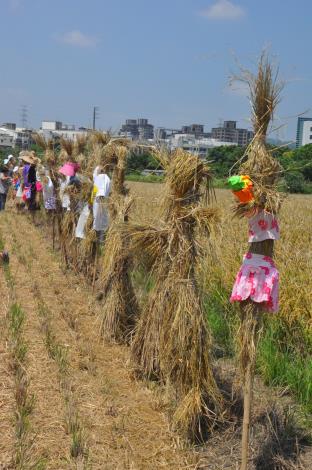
[[250, 328], [53, 231], [95, 266]]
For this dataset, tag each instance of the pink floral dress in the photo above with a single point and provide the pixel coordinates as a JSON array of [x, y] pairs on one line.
[[258, 280]]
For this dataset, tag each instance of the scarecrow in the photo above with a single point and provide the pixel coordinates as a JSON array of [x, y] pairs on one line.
[[116, 290], [255, 189], [171, 341]]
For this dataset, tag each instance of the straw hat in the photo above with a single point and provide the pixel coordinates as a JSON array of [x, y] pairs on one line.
[[29, 157]]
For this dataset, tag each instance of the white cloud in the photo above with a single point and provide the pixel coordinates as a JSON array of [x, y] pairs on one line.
[[223, 10], [78, 39]]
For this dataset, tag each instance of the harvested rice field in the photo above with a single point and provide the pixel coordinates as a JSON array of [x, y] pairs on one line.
[[70, 400]]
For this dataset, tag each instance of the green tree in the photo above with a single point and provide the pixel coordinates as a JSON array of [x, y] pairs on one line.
[[138, 163]]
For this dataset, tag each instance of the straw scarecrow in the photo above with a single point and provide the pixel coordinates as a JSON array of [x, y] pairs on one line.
[[51, 159], [70, 190], [89, 159], [171, 341], [256, 285], [120, 304]]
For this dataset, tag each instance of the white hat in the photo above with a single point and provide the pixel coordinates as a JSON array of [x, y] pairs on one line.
[[6, 160], [15, 169]]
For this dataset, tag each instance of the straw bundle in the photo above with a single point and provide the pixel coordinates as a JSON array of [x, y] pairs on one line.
[[86, 250], [120, 304], [67, 151], [171, 341], [264, 171], [79, 152]]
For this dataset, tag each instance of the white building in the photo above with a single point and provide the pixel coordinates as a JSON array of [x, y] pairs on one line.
[[189, 143], [304, 131], [6, 140], [56, 129], [12, 137]]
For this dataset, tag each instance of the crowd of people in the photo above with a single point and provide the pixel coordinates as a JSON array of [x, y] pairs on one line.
[[32, 188]]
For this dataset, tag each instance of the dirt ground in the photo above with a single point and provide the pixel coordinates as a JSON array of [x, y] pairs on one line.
[[124, 423]]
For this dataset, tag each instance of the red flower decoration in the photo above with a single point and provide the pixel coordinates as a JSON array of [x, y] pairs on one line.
[[274, 225], [263, 224]]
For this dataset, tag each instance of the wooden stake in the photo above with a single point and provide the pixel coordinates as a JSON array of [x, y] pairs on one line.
[[248, 392], [249, 333], [53, 231], [95, 265]]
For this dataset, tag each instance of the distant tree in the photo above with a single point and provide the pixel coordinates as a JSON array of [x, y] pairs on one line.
[[295, 182], [223, 158], [138, 163]]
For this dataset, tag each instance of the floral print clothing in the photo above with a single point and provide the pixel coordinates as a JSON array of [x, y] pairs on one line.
[[257, 280], [263, 226]]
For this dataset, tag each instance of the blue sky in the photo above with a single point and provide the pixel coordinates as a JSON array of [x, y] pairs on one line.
[[167, 60]]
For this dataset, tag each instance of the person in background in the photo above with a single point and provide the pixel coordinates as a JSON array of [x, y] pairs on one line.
[[5, 183]]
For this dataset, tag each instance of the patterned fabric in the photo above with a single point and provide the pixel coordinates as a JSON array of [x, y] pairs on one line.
[[258, 280], [263, 226], [49, 199]]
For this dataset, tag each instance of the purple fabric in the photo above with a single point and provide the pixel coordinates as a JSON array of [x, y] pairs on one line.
[[25, 174]]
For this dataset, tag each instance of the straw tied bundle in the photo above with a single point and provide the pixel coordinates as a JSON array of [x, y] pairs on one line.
[[120, 303], [171, 341], [256, 285]]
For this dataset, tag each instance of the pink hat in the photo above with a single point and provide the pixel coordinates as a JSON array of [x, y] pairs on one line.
[[69, 169]]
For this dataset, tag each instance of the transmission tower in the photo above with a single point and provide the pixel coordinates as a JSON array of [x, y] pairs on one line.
[[96, 115], [24, 115]]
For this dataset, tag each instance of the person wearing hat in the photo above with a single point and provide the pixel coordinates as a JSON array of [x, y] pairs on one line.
[[30, 180], [5, 183]]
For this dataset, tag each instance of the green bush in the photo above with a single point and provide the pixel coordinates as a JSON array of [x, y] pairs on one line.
[[295, 182]]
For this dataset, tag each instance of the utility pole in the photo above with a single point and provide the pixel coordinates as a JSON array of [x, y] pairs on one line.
[[95, 115]]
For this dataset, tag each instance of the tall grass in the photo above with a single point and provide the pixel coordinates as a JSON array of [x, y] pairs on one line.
[[284, 357], [281, 362]]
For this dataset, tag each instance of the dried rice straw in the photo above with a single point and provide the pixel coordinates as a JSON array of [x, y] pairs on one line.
[[264, 171]]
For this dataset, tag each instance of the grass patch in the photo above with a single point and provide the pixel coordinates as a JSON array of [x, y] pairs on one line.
[[284, 355], [281, 363], [222, 323]]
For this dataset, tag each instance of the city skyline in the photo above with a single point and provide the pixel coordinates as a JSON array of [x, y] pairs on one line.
[[168, 62]]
